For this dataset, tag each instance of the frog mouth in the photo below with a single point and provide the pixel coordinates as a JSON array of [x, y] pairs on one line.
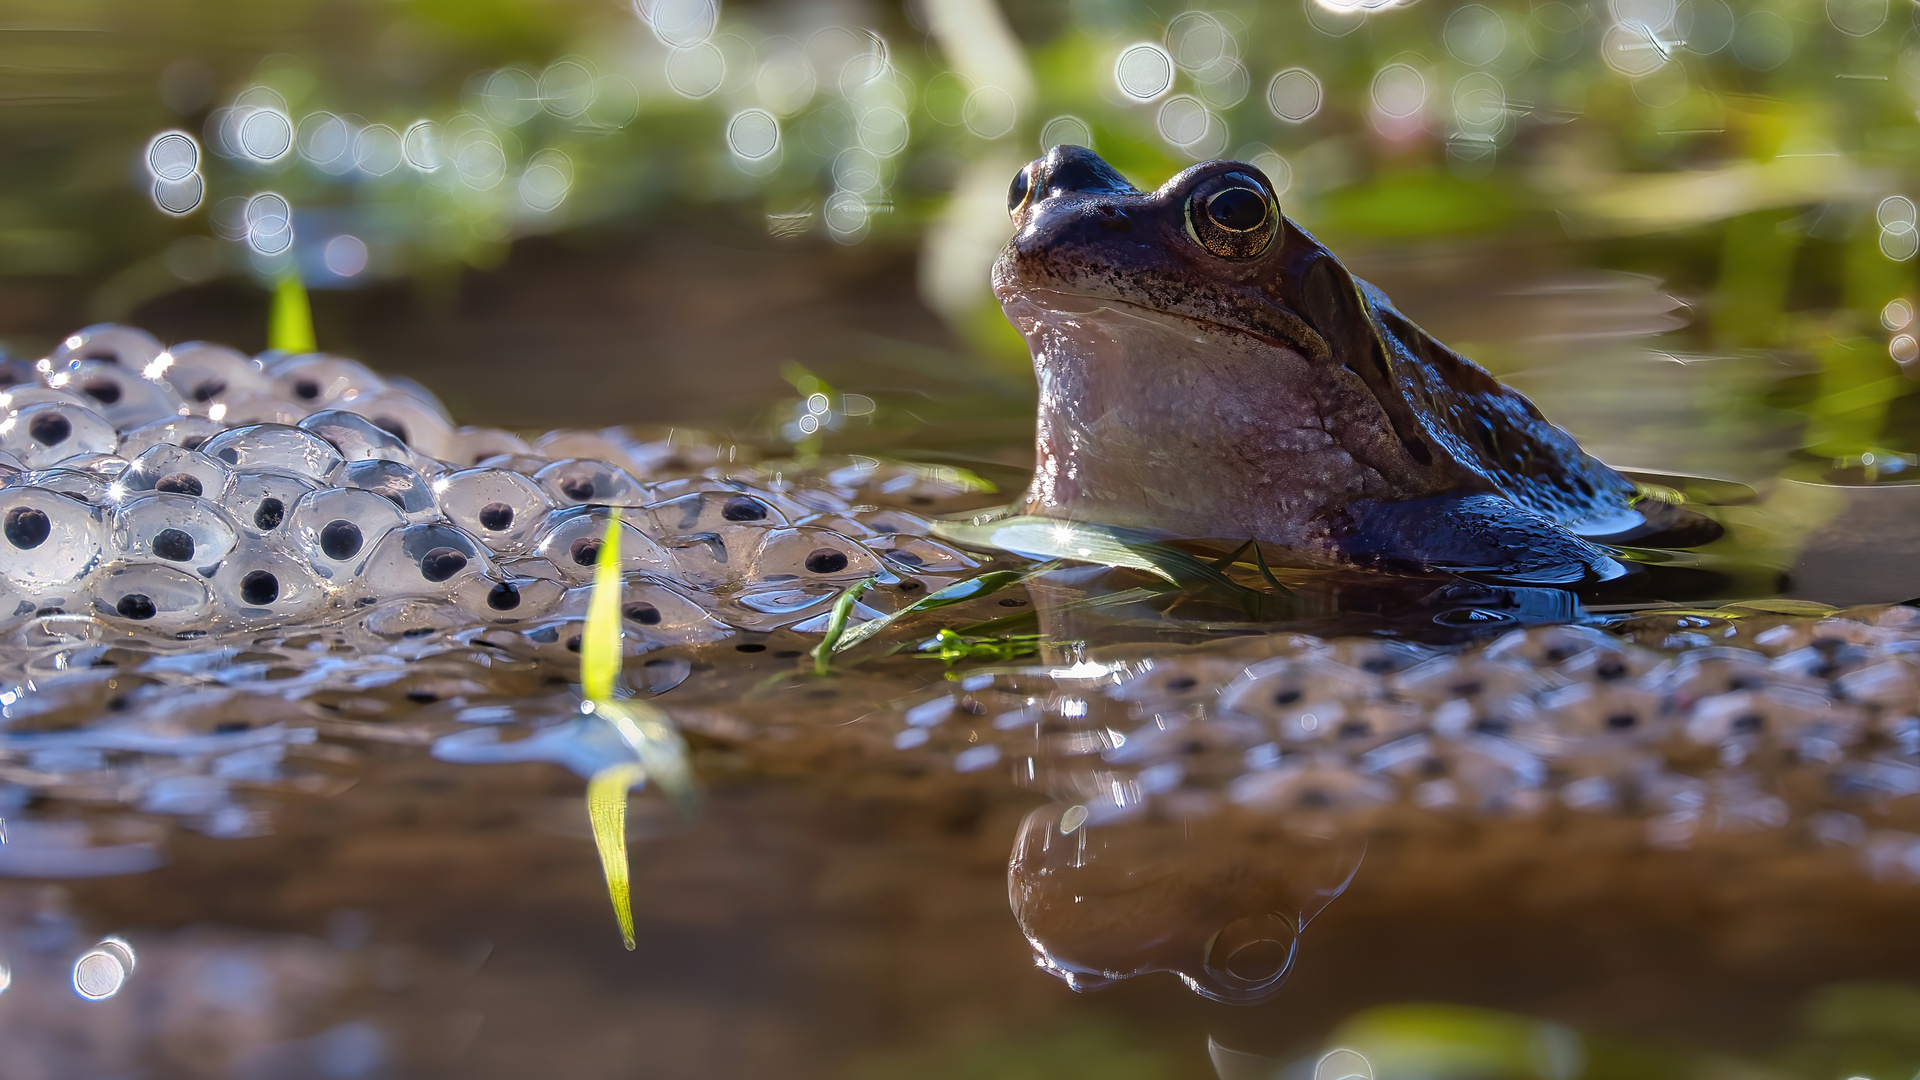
[[1038, 304]]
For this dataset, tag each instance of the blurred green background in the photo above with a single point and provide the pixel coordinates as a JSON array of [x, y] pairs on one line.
[[1683, 225]]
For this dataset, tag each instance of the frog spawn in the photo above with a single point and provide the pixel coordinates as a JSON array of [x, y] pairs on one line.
[[1735, 732], [199, 490], [211, 562]]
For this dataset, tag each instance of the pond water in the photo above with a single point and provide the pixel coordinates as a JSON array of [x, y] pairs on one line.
[[1327, 825], [354, 844]]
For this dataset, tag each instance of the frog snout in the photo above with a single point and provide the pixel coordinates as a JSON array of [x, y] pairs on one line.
[[1075, 170]]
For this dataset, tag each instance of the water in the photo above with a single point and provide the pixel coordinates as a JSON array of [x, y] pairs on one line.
[[333, 840], [336, 841]]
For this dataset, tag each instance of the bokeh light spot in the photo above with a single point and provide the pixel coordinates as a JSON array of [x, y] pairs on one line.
[[1399, 91], [269, 223], [1705, 26], [1144, 71], [421, 145], [377, 150], [172, 155], [545, 181], [884, 130], [1065, 131], [1223, 83], [265, 135], [1196, 39], [345, 255], [697, 70], [98, 975], [1278, 171], [1183, 120], [178, 197], [1763, 41], [680, 24], [567, 88], [1857, 18], [784, 82], [753, 134], [1294, 95], [325, 140], [847, 216], [1554, 31], [1633, 49], [990, 112], [510, 96], [1897, 315], [1475, 35]]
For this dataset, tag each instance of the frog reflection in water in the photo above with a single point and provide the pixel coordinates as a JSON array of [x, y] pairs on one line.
[[1208, 369]]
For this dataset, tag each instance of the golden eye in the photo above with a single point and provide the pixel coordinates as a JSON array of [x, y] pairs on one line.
[[1232, 216]]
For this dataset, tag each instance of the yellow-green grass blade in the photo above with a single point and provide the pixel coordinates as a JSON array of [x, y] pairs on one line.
[[290, 325], [600, 652], [607, 810], [657, 742]]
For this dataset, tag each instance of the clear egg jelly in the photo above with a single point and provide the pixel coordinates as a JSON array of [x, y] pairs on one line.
[[186, 491]]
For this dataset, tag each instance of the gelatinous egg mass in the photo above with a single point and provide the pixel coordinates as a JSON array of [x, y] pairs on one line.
[[188, 491]]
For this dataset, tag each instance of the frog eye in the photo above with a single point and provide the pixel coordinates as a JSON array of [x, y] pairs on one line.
[[1232, 216], [1017, 193]]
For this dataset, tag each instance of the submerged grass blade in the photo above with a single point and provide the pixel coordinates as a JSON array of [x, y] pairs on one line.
[[290, 325], [837, 625], [957, 593], [658, 744], [1039, 537], [607, 810], [600, 652], [951, 648], [647, 731]]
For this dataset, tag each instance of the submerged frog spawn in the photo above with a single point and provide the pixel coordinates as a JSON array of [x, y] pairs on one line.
[[1208, 369]]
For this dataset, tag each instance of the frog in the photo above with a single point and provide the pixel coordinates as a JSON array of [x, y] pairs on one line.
[[1206, 368]]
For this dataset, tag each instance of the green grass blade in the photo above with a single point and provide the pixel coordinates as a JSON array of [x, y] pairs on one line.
[[1057, 539], [290, 325], [658, 744], [607, 811], [837, 625], [1080, 541], [957, 593], [600, 652]]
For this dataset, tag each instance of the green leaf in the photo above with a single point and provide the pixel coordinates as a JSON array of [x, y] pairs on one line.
[[290, 326], [600, 652], [837, 625], [957, 593], [607, 811], [1079, 541]]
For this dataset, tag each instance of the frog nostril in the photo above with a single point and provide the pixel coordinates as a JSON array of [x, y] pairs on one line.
[[1112, 218]]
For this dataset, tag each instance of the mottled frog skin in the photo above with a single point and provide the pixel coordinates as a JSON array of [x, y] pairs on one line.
[[1208, 369]]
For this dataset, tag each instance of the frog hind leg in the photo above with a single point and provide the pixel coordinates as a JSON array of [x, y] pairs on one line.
[[1476, 533]]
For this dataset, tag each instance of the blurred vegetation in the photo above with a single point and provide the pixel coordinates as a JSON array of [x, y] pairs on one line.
[[1756, 157], [1862, 1031]]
